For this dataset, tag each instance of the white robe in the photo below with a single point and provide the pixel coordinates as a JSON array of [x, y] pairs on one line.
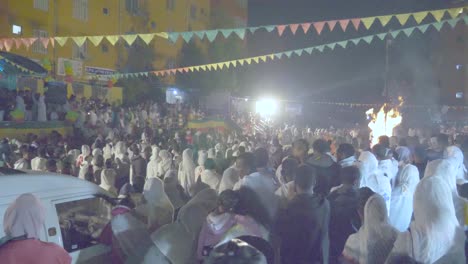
[[41, 109], [186, 175], [211, 178], [38, 164]]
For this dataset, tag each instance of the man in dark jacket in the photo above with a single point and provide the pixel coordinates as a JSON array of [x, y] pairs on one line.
[[343, 210], [138, 166], [303, 226], [327, 169]]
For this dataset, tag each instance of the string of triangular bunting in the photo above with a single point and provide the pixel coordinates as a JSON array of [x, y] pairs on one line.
[[299, 52], [365, 22], [380, 105], [19, 67]]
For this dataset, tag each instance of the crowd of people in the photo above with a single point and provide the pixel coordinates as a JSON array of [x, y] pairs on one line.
[[287, 195]]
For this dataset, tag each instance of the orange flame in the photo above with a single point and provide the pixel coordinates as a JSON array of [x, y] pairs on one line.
[[383, 122]]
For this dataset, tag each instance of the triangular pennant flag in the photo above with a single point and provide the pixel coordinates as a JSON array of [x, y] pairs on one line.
[[438, 14], [18, 43], [129, 38], [356, 22], [331, 24], [255, 59], [293, 28], [28, 42], [278, 55], [280, 29], [269, 28], [271, 56], [214, 66], [253, 29], [145, 74], [395, 33], [419, 16], [320, 48], [342, 44], [173, 71], [305, 27], [248, 60], [220, 66], [162, 35], [79, 41], [382, 36], [241, 62], [186, 69], [263, 58], [299, 52], [211, 35], [403, 18], [187, 36], [45, 42], [288, 54], [423, 28], [356, 40], [319, 26], [112, 39], [309, 50], [438, 25], [227, 65], [226, 32], [61, 40], [234, 63], [384, 20], [368, 21], [453, 12], [196, 68], [52, 42], [8, 43], [147, 38], [344, 24], [452, 22], [96, 40], [200, 34], [173, 36], [181, 70], [368, 39], [240, 33], [331, 45]]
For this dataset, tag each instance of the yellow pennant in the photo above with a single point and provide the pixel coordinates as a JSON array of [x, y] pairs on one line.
[[95, 39], [203, 67], [241, 62], [263, 58], [453, 12], [112, 39], [147, 38], [79, 40], [129, 38], [234, 63], [255, 59], [438, 14], [271, 56], [368, 21], [403, 18], [162, 35], [227, 65], [61, 40], [384, 20], [248, 60], [220, 65], [419, 16]]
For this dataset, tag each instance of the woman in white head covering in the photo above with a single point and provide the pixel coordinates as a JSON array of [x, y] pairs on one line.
[[456, 154], [152, 167], [158, 209], [172, 189], [108, 181], [446, 169], [209, 175], [187, 170], [119, 150], [373, 178], [202, 157], [229, 179], [107, 152], [165, 164], [211, 153], [23, 224], [401, 205], [374, 240], [435, 235], [84, 161]]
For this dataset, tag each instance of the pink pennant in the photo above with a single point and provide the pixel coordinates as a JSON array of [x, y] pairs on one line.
[[319, 26], [331, 24], [173, 71], [186, 69], [52, 42], [356, 23], [8, 43], [27, 42], [17, 43], [280, 29], [344, 24], [181, 70], [45, 42], [305, 27], [293, 28]]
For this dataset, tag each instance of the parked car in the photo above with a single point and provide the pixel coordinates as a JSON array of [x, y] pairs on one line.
[[76, 211]]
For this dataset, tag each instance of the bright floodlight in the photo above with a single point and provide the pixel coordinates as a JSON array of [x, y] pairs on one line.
[[266, 107]]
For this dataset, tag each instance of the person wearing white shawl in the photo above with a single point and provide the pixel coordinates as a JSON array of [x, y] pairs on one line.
[[107, 152], [96, 152], [211, 153], [455, 153], [84, 161], [229, 179], [285, 174], [434, 235], [373, 178], [186, 174], [202, 157], [209, 175], [39, 162], [152, 167], [108, 181], [165, 164], [157, 209], [374, 240], [119, 151], [178, 241], [446, 169], [401, 205]]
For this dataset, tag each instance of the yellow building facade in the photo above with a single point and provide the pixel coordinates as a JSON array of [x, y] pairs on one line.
[[50, 18]]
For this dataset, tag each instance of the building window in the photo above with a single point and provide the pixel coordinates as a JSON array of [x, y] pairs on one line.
[[80, 9], [16, 30], [80, 53], [38, 47], [41, 4], [104, 48], [193, 12], [105, 11], [132, 6], [153, 25], [459, 67], [170, 5]]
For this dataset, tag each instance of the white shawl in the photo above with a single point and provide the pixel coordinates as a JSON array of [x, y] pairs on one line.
[[186, 174], [401, 206]]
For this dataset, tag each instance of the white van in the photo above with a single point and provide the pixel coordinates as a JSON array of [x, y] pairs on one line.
[[76, 211]]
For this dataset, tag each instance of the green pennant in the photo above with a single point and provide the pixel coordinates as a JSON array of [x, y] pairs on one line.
[[187, 36], [331, 45], [438, 25], [342, 44], [278, 55], [226, 32], [288, 53], [200, 34], [309, 50], [423, 28], [395, 33], [356, 41], [145, 74], [240, 33], [452, 22], [298, 52], [408, 31], [269, 28], [211, 35], [173, 36], [382, 36], [320, 48], [465, 18], [253, 29], [368, 39]]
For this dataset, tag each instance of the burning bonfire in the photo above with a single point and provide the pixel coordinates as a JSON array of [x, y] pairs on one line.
[[383, 122]]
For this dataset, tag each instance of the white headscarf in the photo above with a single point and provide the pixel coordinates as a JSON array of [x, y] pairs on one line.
[[368, 165], [38, 164], [453, 152], [202, 157], [434, 233], [85, 150], [154, 194], [119, 150], [211, 178], [229, 179], [158, 208], [107, 152], [108, 181], [187, 170], [403, 154], [211, 153], [152, 167], [401, 206], [375, 238], [25, 216], [165, 163]]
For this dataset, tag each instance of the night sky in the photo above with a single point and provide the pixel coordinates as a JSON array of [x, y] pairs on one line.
[[351, 74]]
